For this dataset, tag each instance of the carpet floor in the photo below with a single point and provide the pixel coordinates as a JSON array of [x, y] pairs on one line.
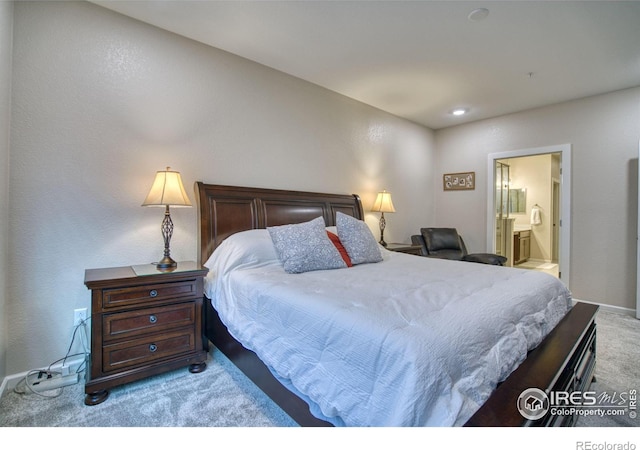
[[222, 396]]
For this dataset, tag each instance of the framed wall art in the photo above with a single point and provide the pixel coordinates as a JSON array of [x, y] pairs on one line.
[[462, 181]]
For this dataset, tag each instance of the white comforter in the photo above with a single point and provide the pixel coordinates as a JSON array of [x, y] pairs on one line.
[[409, 341]]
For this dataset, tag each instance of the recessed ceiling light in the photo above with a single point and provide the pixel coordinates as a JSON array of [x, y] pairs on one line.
[[478, 14], [459, 112]]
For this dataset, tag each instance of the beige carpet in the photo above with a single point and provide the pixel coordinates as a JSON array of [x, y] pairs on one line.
[[221, 396], [618, 365]]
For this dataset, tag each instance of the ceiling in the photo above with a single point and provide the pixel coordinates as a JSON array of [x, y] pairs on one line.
[[422, 59]]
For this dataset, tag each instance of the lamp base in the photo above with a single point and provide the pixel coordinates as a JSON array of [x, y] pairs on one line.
[[383, 225], [166, 263]]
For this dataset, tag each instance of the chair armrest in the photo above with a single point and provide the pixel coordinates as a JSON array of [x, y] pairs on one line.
[[417, 239], [486, 258]]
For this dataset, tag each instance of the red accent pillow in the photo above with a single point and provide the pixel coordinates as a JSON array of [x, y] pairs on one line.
[[343, 252]]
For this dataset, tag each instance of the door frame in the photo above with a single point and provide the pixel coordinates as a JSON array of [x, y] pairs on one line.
[[564, 250], [556, 190], [638, 247]]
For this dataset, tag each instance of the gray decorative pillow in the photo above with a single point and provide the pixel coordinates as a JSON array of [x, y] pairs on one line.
[[304, 247], [357, 239]]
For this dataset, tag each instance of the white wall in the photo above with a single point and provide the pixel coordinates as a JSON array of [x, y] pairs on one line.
[[604, 132], [101, 102], [6, 28]]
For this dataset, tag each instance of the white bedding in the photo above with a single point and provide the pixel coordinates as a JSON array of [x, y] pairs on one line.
[[409, 341]]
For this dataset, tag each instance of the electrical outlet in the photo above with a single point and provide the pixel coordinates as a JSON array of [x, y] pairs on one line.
[[79, 315]]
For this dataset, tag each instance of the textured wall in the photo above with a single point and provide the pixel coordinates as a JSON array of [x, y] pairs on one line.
[[604, 132], [6, 21], [101, 102]]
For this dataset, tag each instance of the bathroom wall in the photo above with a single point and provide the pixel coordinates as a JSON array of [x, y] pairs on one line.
[[535, 174]]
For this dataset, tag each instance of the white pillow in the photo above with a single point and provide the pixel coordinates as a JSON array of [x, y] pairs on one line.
[[357, 239], [304, 247], [250, 247]]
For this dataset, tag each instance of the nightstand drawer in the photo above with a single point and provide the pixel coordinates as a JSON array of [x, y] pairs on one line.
[[145, 321], [147, 349], [150, 292]]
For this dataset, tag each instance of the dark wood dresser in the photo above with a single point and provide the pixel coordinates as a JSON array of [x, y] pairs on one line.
[[143, 322]]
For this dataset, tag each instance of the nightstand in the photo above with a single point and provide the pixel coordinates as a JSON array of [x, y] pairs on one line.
[[143, 322], [405, 248]]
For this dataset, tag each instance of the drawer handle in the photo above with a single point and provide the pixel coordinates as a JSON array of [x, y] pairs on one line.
[[153, 293], [153, 318], [153, 348]]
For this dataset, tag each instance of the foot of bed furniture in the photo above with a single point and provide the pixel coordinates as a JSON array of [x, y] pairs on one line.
[[564, 361], [198, 367], [95, 398]]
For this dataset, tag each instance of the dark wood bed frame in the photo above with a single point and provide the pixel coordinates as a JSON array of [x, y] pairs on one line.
[[564, 361]]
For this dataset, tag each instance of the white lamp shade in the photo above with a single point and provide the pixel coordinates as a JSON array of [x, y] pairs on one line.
[[383, 203], [167, 189]]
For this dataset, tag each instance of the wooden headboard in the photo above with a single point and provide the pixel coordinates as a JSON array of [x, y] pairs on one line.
[[224, 210]]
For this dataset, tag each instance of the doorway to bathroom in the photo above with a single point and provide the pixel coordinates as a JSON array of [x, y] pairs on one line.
[[528, 212]]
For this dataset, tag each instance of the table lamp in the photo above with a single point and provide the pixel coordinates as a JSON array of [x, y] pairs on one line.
[[167, 190], [383, 204]]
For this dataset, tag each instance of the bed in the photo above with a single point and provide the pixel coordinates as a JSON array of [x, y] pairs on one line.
[[402, 341]]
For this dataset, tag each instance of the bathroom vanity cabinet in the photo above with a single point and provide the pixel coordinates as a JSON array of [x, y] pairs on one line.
[[521, 246]]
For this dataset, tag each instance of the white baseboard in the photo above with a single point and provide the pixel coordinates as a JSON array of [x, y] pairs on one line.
[[71, 365], [3, 386]]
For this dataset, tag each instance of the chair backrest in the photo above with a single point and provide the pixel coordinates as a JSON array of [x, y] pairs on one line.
[[443, 243]]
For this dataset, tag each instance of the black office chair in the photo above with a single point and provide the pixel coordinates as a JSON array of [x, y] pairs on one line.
[[446, 243]]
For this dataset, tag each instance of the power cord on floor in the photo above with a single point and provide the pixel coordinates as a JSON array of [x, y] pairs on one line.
[[35, 377]]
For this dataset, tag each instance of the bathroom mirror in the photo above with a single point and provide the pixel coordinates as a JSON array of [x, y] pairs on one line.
[[517, 200]]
